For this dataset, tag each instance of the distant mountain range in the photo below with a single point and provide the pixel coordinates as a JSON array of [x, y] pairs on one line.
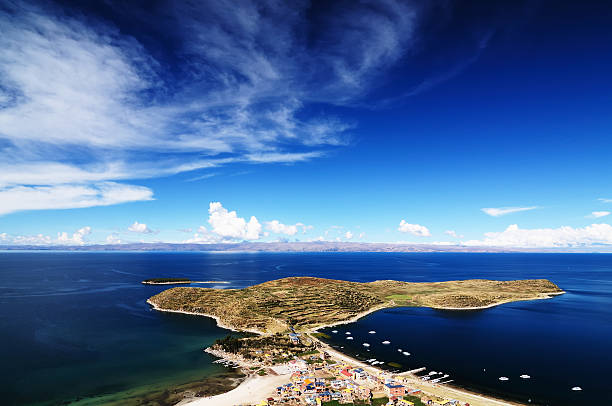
[[295, 247]]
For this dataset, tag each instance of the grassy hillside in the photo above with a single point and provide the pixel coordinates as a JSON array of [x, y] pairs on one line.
[[306, 302]]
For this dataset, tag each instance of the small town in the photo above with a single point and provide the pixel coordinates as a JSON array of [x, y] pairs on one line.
[[315, 374]]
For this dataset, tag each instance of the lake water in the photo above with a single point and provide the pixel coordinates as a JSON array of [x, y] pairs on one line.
[[76, 325]]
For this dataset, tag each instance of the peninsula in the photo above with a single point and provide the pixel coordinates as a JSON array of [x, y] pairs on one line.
[[307, 303]]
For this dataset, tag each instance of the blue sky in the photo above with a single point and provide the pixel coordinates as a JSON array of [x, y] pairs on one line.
[[477, 123]]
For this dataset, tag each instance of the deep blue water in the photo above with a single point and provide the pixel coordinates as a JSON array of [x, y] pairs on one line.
[[77, 325]]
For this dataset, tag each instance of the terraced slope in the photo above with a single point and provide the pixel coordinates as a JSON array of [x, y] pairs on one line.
[[306, 302]]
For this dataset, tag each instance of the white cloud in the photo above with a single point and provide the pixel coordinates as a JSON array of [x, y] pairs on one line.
[[139, 228], [414, 229], [63, 238], [289, 229], [601, 199], [453, 234], [348, 235], [246, 74], [113, 239], [598, 214], [75, 239], [228, 225], [203, 236], [513, 236], [277, 227], [20, 198], [502, 211]]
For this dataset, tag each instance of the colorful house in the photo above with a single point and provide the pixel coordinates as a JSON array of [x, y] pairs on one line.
[[393, 389]]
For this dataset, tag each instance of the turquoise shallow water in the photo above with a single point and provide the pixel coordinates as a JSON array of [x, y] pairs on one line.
[[76, 325]]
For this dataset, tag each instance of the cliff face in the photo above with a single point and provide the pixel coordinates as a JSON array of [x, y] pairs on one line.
[[305, 302]]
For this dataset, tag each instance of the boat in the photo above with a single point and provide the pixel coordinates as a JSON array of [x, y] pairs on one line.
[[348, 333], [524, 376], [334, 331], [349, 338], [406, 353], [576, 388], [503, 378], [386, 342], [371, 332], [366, 344]]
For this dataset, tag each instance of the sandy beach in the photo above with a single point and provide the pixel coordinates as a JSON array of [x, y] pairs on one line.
[[251, 391]]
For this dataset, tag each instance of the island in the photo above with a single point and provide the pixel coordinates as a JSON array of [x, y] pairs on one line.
[[286, 360], [307, 303], [174, 281]]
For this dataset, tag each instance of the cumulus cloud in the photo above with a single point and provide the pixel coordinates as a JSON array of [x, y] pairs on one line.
[[63, 238], [20, 198], [414, 229], [598, 214], [139, 228], [228, 225], [348, 235], [502, 211], [113, 239], [277, 227], [513, 236]]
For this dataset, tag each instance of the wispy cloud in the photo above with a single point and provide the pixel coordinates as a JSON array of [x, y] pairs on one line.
[[601, 199], [453, 233], [598, 214], [20, 198], [502, 211], [82, 102]]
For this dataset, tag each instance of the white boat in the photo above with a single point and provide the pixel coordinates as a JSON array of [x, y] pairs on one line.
[[334, 331], [371, 332], [524, 376], [406, 353], [576, 388], [503, 378], [399, 350], [366, 344], [348, 333], [349, 338], [386, 342]]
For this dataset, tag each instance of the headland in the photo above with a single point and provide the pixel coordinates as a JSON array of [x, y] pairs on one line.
[[307, 303]]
